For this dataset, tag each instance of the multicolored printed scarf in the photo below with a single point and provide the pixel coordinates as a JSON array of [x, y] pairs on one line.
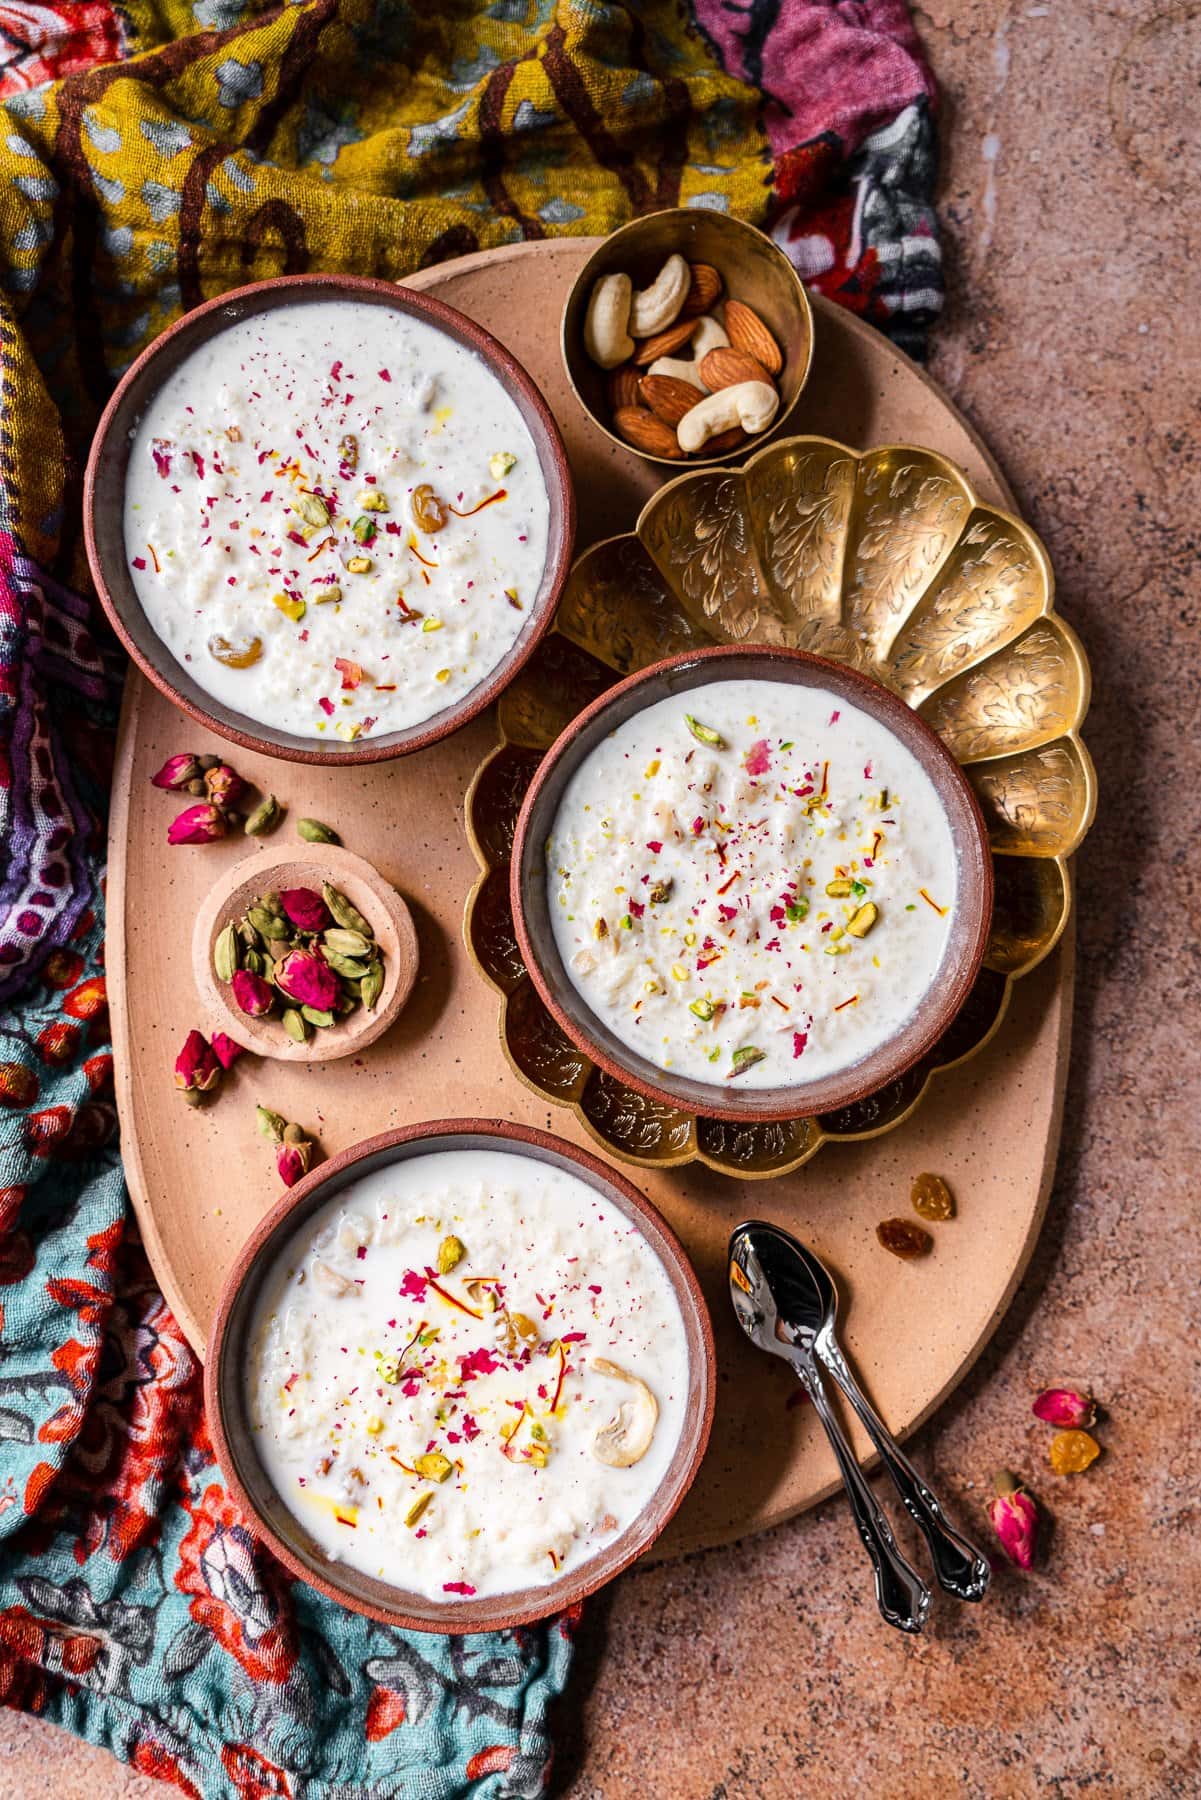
[[155, 153]]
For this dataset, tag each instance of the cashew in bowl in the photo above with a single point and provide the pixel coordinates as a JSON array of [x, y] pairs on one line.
[[627, 1436], [656, 307], [606, 325], [751, 404], [710, 334], [676, 369]]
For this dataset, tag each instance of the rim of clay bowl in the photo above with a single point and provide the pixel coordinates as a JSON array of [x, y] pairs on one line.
[[952, 981], [103, 511], [225, 1364]]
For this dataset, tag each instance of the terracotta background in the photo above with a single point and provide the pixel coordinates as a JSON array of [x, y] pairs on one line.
[[1072, 203]]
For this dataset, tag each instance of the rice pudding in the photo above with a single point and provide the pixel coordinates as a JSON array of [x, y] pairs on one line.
[[335, 518], [752, 882], [467, 1373]]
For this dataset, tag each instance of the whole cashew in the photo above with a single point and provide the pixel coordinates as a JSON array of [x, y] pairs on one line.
[[606, 324], [656, 307], [677, 370], [751, 404], [710, 334], [626, 1438]]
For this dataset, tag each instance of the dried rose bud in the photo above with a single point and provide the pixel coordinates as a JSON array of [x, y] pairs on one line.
[[177, 772], [225, 1050], [252, 993], [1013, 1515], [196, 825], [306, 910], [294, 1158], [307, 979], [224, 785], [197, 1070], [1065, 1407]]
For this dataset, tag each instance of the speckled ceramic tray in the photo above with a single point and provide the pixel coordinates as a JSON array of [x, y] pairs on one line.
[[200, 1180], [887, 560]]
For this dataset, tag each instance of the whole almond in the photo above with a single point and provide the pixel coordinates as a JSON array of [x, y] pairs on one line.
[[642, 429], [706, 286], [668, 398], [746, 331], [726, 368], [621, 387], [726, 440], [664, 343]]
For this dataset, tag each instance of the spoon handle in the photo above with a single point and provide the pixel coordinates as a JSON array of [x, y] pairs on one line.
[[901, 1594], [959, 1567]]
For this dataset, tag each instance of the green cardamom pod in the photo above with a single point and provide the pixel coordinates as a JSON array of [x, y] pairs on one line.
[[314, 832], [270, 1124], [344, 965], [372, 985], [225, 954], [348, 916], [208, 761], [265, 817], [249, 935], [265, 923], [347, 943], [294, 1134], [315, 1016], [345, 1003], [295, 1026], [255, 962]]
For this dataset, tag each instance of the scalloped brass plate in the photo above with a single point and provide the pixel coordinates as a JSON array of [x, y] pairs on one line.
[[886, 559]]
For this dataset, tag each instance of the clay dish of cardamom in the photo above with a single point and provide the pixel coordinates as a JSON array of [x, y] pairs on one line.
[[279, 870]]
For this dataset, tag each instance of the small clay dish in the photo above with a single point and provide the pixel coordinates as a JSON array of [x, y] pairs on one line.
[[230, 1351], [308, 867], [962, 956], [753, 269], [104, 511]]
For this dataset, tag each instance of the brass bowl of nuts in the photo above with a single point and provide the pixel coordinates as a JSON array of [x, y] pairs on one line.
[[688, 337]]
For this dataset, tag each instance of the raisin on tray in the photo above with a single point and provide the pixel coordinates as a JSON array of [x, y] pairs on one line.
[[904, 1238], [931, 1198]]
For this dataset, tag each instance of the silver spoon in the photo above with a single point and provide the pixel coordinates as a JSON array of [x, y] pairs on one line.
[[762, 1282], [806, 1302]]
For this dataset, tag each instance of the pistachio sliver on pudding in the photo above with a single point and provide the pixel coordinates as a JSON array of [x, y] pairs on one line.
[[468, 1374], [335, 518], [752, 882]]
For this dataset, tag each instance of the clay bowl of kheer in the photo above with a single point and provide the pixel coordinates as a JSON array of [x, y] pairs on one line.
[[271, 870], [328, 517], [345, 1261], [802, 908], [774, 328]]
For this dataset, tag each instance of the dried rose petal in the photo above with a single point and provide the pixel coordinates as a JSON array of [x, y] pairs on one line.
[[224, 785], [351, 672], [306, 910], [307, 980], [252, 993], [1065, 1407], [293, 1161], [757, 760], [197, 825], [197, 1070], [225, 1050], [1013, 1515], [176, 772]]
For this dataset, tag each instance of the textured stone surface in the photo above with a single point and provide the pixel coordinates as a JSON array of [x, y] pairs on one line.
[[763, 1672]]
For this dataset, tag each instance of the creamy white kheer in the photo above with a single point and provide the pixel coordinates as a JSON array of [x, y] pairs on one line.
[[335, 519], [753, 882], [468, 1373]]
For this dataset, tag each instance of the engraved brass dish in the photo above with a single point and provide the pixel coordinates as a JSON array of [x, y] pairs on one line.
[[884, 559]]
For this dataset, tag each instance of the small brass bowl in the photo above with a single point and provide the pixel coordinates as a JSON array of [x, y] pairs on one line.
[[753, 270]]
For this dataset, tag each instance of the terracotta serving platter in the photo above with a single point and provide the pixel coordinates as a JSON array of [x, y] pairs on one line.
[[201, 1179]]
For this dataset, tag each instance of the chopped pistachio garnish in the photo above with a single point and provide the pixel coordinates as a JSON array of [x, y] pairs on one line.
[[661, 891], [312, 509], [434, 1465], [359, 565], [704, 734], [500, 464], [371, 500], [838, 890], [323, 596], [418, 1507], [863, 921], [291, 608], [431, 625], [746, 1058], [365, 530]]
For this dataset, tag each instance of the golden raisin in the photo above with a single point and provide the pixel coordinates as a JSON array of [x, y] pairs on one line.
[[904, 1238], [240, 655], [1073, 1451], [429, 512], [932, 1198]]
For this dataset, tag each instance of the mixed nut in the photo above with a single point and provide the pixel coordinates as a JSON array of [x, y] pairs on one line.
[[312, 955], [681, 380]]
